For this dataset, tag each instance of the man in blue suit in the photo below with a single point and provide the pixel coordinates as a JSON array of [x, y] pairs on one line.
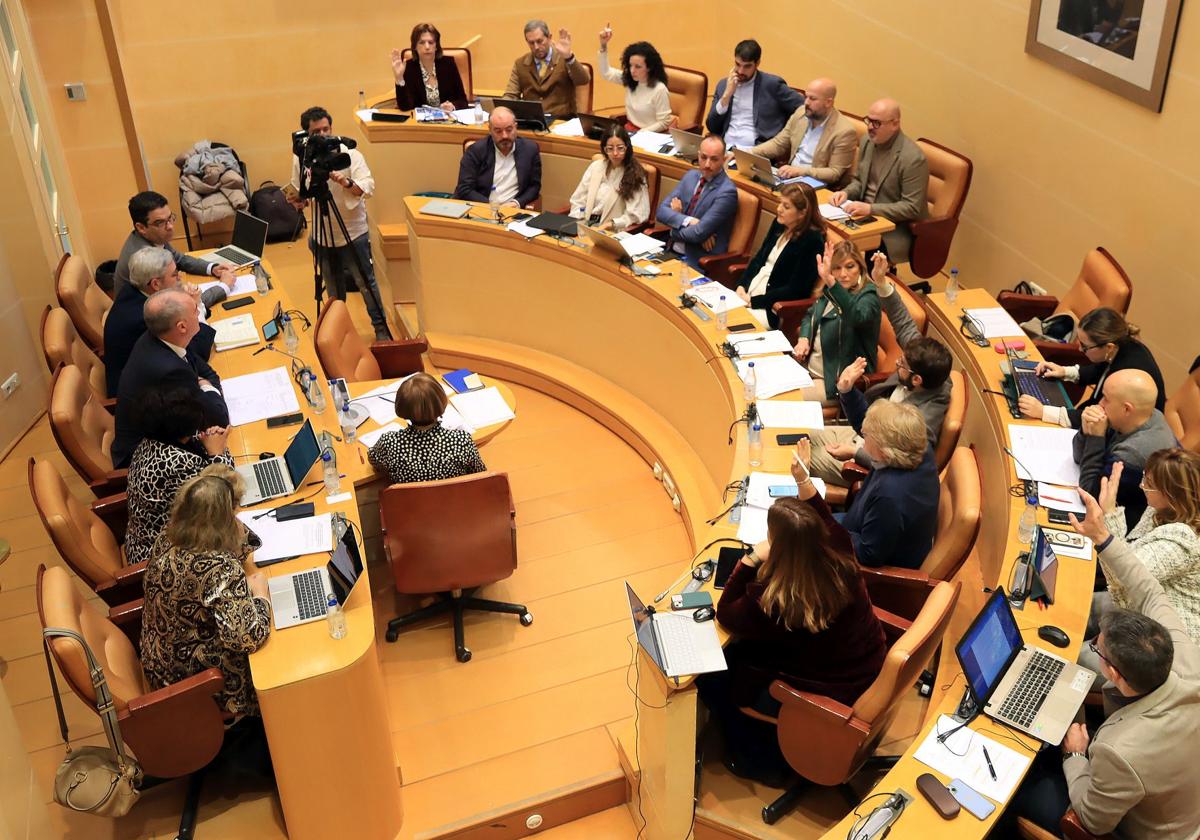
[[701, 208], [750, 106]]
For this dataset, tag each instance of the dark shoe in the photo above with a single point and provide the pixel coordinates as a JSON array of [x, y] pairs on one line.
[[778, 778], [382, 334]]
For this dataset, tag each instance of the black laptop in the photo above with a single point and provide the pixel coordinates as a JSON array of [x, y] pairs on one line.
[[594, 127], [529, 113], [555, 223], [1025, 381]]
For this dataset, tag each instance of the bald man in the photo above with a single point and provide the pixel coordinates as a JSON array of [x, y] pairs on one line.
[[750, 105], [891, 181], [817, 140], [1124, 426], [502, 162]]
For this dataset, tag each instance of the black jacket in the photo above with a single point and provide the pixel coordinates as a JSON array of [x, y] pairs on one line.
[[479, 162], [125, 325], [1132, 355], [794, 274], [450, 86]]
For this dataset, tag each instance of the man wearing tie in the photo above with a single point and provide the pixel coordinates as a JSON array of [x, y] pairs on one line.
[[701, 208], [549, 73]]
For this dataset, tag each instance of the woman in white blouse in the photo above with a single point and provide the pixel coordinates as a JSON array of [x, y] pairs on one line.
[[613, 193], [647, 103]]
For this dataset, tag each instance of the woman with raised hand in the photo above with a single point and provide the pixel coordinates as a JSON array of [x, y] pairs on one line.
[[647, 102], [428, 78]]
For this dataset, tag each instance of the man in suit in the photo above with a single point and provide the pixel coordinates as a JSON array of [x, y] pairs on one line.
[[749, 106], [509, 164], [892, 179], [1135, 775], [817, 141], [549, 72], [150, 270], [161, 358], [701, 209]]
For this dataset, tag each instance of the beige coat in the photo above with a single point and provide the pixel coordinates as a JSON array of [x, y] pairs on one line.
[[833, 159], [556, 89]]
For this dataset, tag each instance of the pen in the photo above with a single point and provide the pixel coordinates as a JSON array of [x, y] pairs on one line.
[[322, 481], [988, 759]]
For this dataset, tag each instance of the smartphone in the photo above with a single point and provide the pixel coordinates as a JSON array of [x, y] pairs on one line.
[[790, 438], [1058, 517], [691, 600], [972, 801], [270, 330], [727, 558], [741, 327], [863, 220], [775, 491], [237, 303], [520, 217], [285, 420]]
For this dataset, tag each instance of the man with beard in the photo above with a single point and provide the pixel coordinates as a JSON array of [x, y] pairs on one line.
[[503, 163], [750, 105], [817, 140]]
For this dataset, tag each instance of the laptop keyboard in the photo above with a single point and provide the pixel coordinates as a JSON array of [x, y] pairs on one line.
[[234, 256], [1031, 689], [1029, 383], [310, 594], [270, 479], [673, 633]]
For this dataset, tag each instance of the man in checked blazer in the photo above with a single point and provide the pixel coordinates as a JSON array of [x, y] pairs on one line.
[[701, 209]]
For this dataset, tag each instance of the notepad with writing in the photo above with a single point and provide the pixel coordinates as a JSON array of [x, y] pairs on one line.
[[463, 380]]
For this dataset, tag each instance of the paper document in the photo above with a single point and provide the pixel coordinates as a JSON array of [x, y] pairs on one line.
[[466, 116], [243, 284], [637, 244], [257, 396], [1082, 552], [833, 214], [995, 322], [1045, 450], [1060, 498], [760, 344], [288, 539], [776, 375], [650, 141], [710, 295], [758, 489], [238, 331], [790, 414], [482, 408], [524, 229], [571, 128], [426, 114], [961, 757], [364, 114], [368, 439], [753, 527], [453, 419]]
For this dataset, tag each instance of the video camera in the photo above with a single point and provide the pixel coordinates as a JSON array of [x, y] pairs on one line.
[[319, 155]]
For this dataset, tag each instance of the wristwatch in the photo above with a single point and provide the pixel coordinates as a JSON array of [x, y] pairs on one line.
[[349, 183], [1069, 754]]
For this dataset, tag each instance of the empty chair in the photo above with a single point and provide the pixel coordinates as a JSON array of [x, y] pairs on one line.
[[1183, 411], [62, 345], [688, 91], [949, 182], [344, 355], [84, 431], [85, 302]]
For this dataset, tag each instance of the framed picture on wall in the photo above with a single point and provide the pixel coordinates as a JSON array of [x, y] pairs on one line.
[[1123, 46]]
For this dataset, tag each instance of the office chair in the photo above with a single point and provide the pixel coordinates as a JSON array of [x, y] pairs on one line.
[[1183, 411], [344, 355], [85, 302], [451, 537], [584, 94], [688, 92], [1069, 827], [62, 345], [653, 184], [741, 239], [946, 193], [84, 431]]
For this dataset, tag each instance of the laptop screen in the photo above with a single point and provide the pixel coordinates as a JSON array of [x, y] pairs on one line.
[[644, 628], [1047, 563], [249, 233], [989, 646], [302, 453], [345, 566]]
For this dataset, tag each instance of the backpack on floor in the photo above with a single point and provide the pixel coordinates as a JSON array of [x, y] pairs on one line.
[[284, 222]]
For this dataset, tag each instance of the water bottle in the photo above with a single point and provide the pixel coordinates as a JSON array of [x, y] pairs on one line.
[[261, 284], [952, 287], [362, 101], [756, 444], [722, 315], [479, 116], [329, 473], [290, 340], [685, 282], [1028, 520], [750, 383], [316, 397], [336, 618], [346, 420], [494, 203]]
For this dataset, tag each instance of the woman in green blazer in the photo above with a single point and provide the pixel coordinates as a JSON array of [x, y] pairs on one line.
[[843, 324]]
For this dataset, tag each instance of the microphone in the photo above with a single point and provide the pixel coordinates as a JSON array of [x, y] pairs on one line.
[[1028, 481]]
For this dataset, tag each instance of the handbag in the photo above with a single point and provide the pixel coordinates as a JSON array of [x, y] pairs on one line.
[[96, 780]]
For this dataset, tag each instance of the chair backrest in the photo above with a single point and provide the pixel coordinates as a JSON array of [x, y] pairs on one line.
[[85, 302], [1101, 282], [1183, 412], [889, 350], [688, 90], [745, 223], [960, 512], [949, 179], [83, 540], [584, 94], [952, 421], [462, 58], [341, 350], [446, 535], [62, 345], [654, 184], [81, 426]]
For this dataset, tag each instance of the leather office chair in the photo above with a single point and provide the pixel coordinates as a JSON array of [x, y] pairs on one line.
[[62, 345], [451, 537], [84, 431], [85, 302], [741, 240], [1069, 827], [949, 182], [174, 731], [1101, 282], [83, 536], [462, 60], [344, 355], [688, 91], [827, 742], [585, 94], [1183, 412]]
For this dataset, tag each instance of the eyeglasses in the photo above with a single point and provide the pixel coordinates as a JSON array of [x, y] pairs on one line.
[[902, 364], [615, 150], [162, 223], [1094, 648], [1145, 486], [1087, 347], [873, 123]]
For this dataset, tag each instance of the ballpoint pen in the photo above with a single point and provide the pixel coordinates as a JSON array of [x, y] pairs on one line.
[[988, 759]]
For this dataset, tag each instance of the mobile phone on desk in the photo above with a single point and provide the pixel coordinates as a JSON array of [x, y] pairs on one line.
[[1058, 517], [971, 801], [741, 327], [237, 303], [691, 600], [270, 330], [790, 438], [777, 491]]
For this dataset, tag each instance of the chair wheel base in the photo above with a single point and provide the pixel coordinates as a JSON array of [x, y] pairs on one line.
[[463, 654], [527, 618], [392, 635]]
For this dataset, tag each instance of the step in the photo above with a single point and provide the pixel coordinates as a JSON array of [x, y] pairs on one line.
[[394, 237]]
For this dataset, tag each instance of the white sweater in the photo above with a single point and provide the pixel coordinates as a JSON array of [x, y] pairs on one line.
[[1171, 553], [648, 107]]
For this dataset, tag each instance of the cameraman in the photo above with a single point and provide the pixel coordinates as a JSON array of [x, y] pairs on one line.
[[349, 188]]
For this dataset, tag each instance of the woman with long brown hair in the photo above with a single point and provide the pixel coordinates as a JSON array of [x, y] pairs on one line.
[[613, 193]]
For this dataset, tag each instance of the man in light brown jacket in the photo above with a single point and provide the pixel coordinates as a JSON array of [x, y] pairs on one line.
[[549, 72], [816, 140]]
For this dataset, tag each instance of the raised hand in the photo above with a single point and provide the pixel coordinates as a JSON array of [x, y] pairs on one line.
[[605, 36], [563, 45], [1109, 486], [731, 84], [879, 272], [1092, 526], [851, 374], [398, 66]]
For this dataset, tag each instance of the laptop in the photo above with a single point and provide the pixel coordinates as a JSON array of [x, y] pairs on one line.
[[280, 476], [1023, 373], [1027, 688], [678, 644], [610, 245], [756, 168], [556, 223], [687, 144], [249, 240], [1043, 561], [530, 113], [594, 126], [446, 209], [302, 597]]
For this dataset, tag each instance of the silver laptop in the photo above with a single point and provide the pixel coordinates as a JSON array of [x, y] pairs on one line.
[[687, 144], [1027, 688], [249, 240], [302, 597], [608, 244], [755, 167], [678, 644], [280, 476], [446, 209]]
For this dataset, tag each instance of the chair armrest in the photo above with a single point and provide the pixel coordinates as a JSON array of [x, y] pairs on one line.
[[718, 267], [791, 314], [114, 512], [1072, 828], [751, 712], [901, 592], [1023, 307], [787, 695], [931, 244], [854, 472], [612, 112], [894, 626], [125, 588], [112, 483], [177, 729], [1061, 354], [128, 617], [658, 231], [398, 358], [109, 405]]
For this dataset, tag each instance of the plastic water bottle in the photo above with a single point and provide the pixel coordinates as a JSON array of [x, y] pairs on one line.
[[1028, 520], [336, 618], [290, 340], [750, 383], [316, 397], [722, 315], [479, 116], [952, 287], [685, 282], [261, 284], [329, 473], [756, 444], [346, 421], [362, 101], [494, 203]]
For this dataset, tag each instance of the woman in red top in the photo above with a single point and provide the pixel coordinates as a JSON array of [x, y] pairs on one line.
[[798, 608]]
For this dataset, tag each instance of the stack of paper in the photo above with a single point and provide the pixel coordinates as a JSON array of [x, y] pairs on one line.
[[962, 757], [710, 295], [238, 331], [466, 116], [638, 244], [753, 525], [650, 141], [790, 414], [293, 538], [833, 214], [243, 285], [776, 375], [369, 439], [571, 128], [994, 322], [760, 344], [524, 229], [257, 396], [482, 408], [1060, 498], [1046, 451]]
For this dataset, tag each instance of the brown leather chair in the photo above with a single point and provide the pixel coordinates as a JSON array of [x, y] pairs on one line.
[[173, 731], [84, 536], [827, 742], [1069, 827], [62, 345], [1101, 282], [451, 537], [688, 91], [1183, 412], [84, 431], [949, 182], [584, 94], [344, 354], [741, 240], [462, 59], [85, 302]]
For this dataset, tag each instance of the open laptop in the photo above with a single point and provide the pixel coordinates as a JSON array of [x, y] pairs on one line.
[[302, 597], [1043, 561], [594, 126], [687, 144], [249, 240], [609, 245], [280, 476], [1027, 688], [755, 167], [678, 644], [530, 113], [1023, 373]]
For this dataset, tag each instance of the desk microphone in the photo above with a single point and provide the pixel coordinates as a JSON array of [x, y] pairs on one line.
[[1028, 481]]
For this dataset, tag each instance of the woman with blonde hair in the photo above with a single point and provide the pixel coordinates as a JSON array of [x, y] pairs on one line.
[[425, 450], [799, 610]]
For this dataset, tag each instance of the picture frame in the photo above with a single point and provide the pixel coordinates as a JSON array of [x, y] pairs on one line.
[[1123, 46]]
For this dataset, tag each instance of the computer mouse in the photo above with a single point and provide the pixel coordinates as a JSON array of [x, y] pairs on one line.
[[264, 456], [704, 614], [1053, 635]]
